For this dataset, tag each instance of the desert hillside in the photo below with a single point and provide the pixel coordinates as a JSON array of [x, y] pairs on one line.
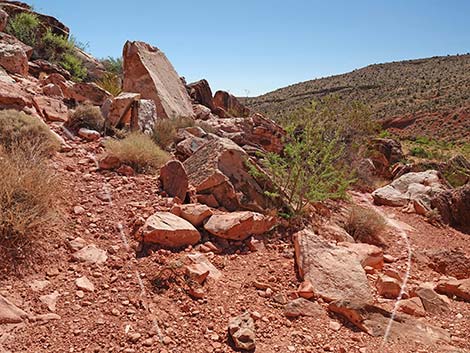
[[431, 88], [143, 213]]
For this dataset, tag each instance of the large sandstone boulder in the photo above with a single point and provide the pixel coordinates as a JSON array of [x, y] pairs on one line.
[[239, 225], [221, 168], [454, 206], [375, 322], [169, 230], [147, 71], [415, 188], [120, 108], [227, 105], [174, 179], [335, 272], [201, 93], [13, 59]]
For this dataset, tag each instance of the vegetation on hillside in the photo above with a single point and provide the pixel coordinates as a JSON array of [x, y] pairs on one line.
[[398, 88], [322, 142]]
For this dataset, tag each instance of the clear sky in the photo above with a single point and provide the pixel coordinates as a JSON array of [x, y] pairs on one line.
[[255, 46]]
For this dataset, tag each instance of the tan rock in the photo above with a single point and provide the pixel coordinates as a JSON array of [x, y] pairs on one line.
[[10, 313], [454, 287], [367, 254], [90, 254], [194, 213], [204, 264], [51, 109], [147, 71], [239, 225], [220, 168], [144, 116], [302, 307], [85, 284], [89, 135], [375, 321], [306, 290], [432, 301], [242, 331], [13, 59], [120, 107], [166, 229], [412, 306], [174, 179], [335, 272], [50, 300], [388, 287]]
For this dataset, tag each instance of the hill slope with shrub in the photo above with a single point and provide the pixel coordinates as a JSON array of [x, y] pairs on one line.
[[433, 87]]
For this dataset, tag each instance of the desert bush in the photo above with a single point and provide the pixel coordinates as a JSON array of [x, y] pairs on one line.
[[420, 152], [113, 65], [60, 50], [24, 26], [111, 83], [164, 131], [28, 203], [365, 225], [19, 130], [138, 151], [85, 116]]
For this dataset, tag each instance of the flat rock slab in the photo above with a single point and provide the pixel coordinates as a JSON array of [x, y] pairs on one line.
[[174, 179], [10, 313], [91, 254], [335, 272], [167, 229], [194, 213], [374, 321], [454, 287], [302, 307], [238, 225]]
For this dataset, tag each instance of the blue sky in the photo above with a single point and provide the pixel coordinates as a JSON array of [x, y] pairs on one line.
[[255, 46]]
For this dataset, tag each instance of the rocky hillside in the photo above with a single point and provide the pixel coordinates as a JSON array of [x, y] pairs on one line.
[[145, 221], [431, 88]]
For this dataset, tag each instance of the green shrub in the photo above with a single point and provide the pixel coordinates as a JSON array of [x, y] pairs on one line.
[[111, 83], [138, 151], [21, 131], [28, 204], [75, 66], [59, 50], [113, 65], [24, 26], [365, 225], [420, 152], [86, 116]]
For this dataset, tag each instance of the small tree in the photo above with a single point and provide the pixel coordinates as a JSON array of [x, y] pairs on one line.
[[321, 141]]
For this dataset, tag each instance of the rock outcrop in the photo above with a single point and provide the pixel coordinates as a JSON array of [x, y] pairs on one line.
[[335, 272], [13, 59], [201, 93], [227, 105], [454, 206], [147, 71], [415, 189], [221, 168]]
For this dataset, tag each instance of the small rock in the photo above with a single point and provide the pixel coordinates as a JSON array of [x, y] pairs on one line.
[[302, 307], [85, 284], [89, 135], [306, 290], [50, 300], [335, 326], [242, 331], [38, 286], [388, 287]]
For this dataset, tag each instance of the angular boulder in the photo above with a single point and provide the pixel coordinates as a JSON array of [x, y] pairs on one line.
[[375, 322], [454, 287], [201, 93], [222, 169], [335, 272], [367, 254], [120, 107], [51, 109], [13, 59], [87, 92], [174, 179], [144, 116], [450, 262], [147, 71], [95, 69], [13, 97], [227, 105], [415, 188], [432, 302], [239, 225], [169, 230], [388, 287], [454, 206], [194, 213]]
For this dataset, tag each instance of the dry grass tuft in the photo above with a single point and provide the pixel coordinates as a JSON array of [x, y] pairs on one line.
[[365, 225], [86, 116], [138, 151], [28, 203], [164, 132], [21, 131]]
